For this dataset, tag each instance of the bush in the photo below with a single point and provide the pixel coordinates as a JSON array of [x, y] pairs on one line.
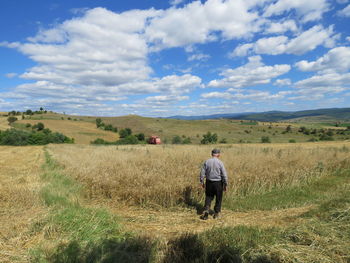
[[187, 141], [292, 141], [11, 119], [176, 140], [123, 133], [130, 139], [265, 139], [18, 137], [209, 138]]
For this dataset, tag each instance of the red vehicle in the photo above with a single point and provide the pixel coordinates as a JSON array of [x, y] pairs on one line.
[[154, 140]]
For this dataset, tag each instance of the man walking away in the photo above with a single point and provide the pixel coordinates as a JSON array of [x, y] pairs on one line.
[[216, 181]]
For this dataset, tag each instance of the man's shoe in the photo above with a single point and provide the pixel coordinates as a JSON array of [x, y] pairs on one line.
[[217, 216], [205, 215]]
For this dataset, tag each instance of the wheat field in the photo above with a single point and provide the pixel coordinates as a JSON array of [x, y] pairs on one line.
[[165, 175]]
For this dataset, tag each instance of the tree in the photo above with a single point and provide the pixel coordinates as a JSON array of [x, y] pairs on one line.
[[123, 133], [11, 119], [41, 109], [209, 138], [140, 136], [289, 128], [98, 122], [29, 112], [39, 126]]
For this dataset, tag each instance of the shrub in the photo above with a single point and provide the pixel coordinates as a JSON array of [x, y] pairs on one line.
[[176, 140], [265, 139], [292, 141], [187, 141], [209, 138], [11, 119], [130, 139], [123, 133], [17, 137], [140, 136]]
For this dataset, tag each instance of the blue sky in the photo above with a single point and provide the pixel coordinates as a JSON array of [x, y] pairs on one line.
[[164, 58]]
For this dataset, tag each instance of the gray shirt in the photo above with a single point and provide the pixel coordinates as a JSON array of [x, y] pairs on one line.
[[214, 170]]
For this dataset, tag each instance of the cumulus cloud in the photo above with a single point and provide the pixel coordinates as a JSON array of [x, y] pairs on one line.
[[306, 10], [217, 95], [306, 41], [283, 82], [199, 56], [319, 85], [279, 28], [251, 74], [345, 12], [337, 59], [201, 23]]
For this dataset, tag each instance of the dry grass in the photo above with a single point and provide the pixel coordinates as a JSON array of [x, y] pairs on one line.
[[165, 175], [3, 123], [19, 201], [82, 132]]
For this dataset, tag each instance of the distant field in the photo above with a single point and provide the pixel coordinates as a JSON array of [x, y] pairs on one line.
[[4, 123], [82, 132]]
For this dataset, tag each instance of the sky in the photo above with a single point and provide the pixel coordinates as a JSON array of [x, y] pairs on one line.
[[178, 57]]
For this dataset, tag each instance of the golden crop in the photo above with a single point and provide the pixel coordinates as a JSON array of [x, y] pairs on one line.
[[165, 175]]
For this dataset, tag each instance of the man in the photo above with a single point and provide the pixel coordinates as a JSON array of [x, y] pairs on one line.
[[216, 181]]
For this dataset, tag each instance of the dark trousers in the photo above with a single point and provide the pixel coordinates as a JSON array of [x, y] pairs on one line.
[[213, 188]]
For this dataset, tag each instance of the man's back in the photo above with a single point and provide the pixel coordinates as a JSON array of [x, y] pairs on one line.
[[214, 170]]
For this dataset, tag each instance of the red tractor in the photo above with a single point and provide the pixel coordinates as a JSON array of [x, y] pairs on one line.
[[154, 140]]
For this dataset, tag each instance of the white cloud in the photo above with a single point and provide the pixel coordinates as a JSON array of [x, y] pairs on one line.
[[306, 10], [288, 25], [165, 99], [201, 23], [199, 56], [241, 50], [283, 82], [348, 39], [323, 84], [175, 2], [345, 12], [251, 74], [306, 41], [217, 95], [337, 59]]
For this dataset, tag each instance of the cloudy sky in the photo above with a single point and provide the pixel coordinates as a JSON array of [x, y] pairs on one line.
[[164, 58]]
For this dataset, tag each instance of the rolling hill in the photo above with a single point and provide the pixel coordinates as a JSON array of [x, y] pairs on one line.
[[319, 115]]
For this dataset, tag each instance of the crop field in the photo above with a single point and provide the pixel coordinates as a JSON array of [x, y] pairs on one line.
[[166, 175], [141, 203], [3, 123]]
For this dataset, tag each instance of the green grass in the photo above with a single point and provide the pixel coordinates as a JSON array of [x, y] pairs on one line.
[[313, 192], [322, 235], [81, 234]]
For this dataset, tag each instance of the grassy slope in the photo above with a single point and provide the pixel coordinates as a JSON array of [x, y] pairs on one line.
[[83, 128], [82, 131]]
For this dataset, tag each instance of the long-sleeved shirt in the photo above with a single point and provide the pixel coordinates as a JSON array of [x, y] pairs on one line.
[[214, 170]]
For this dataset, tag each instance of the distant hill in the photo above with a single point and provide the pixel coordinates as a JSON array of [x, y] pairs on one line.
[[334, 114]]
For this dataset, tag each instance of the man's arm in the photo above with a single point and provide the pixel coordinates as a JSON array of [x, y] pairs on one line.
[[223, 174], [202, 175]]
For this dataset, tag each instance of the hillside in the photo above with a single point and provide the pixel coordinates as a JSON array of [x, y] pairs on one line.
[[341, 114], [83, 128]]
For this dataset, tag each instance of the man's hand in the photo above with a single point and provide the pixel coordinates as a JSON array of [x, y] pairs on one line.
[[224, 187], [202, 185]]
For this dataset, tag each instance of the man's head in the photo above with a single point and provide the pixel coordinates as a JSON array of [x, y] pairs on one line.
[[215, 152]]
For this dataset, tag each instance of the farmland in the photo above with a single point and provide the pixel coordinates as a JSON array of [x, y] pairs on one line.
[[83, 128], [144, 202]]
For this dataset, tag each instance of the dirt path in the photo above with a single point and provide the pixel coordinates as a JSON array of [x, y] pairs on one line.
[[166, 224], [19, 200]]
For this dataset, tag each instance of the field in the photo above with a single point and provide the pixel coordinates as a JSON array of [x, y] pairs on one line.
[[63, 203], [82, 132], [83, 128]]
